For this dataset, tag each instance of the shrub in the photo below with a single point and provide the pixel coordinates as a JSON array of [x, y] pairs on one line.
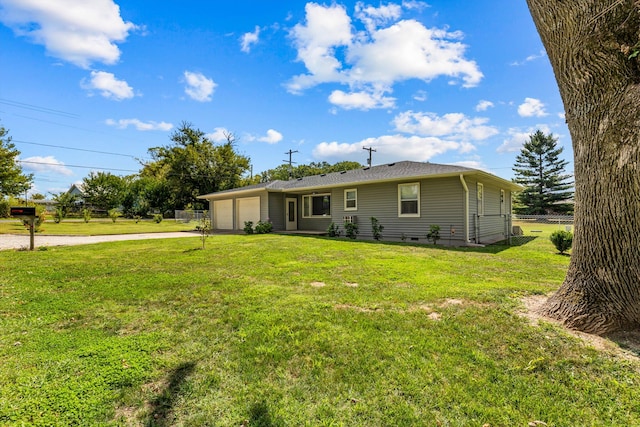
[[351, 230], [334, 230], [5, 208], [114, 214], [562, 240], [157, 218], [434, 233], [204, 227], [376, 228], [137, 218], [58, 215], [248, 227], [263, 227], [86, 215]]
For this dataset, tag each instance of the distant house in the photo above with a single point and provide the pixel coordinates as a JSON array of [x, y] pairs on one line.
[[76, 190], [470, 205]]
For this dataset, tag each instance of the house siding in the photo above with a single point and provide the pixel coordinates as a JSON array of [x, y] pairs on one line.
[[275, 210], [492, 225], [441, 203]]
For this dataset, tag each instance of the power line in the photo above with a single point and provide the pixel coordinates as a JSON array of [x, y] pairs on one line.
[[75, 166], [75, 149], [38, 108]]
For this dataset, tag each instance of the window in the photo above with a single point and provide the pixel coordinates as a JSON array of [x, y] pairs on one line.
[[351, 200], [480, 199], [409, 199], [316, 205]]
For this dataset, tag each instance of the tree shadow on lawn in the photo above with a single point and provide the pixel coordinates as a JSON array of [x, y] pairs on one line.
[[259, 417], [162, 406], [628, 340]]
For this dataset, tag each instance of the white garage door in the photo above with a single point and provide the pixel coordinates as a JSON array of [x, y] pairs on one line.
[[223, 214], [248, 209]]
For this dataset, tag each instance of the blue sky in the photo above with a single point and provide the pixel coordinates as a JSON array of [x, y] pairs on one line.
[[88, 86]]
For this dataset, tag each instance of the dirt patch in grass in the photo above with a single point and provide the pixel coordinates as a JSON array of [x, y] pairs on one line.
[[318, 284], [624, 344], [356, 308]]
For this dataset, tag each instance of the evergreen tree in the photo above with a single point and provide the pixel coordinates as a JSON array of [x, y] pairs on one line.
[[12, 180], [540, 170]]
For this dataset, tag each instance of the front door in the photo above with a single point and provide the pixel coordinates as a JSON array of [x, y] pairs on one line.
[[291, 212]]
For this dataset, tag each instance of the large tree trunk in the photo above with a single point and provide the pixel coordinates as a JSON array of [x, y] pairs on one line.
[[589, 43]]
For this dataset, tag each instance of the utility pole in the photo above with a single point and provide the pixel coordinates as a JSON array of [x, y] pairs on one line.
[[369, 149], [290, 152]]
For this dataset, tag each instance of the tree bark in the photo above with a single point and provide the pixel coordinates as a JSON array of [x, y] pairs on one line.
[[589, 43]]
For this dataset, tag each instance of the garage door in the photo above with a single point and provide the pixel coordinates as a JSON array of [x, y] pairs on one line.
[[223, 214], [248, 210]]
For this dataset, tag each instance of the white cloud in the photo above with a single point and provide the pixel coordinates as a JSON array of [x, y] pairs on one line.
[[473, 164], [272, 137], [218, 135], [108, 85], [530, 58], [373, 17], [455, 126], [531, 107], [392, 147], [80, 32], [518, 136], [484, 105], [199, 88], [360, 100], [326, 28], [139, 125], [374, 60], [249, 39], [46, 164], [421, 96], [428, 135]]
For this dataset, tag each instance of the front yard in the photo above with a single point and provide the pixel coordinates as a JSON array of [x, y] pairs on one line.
[[269, 330]]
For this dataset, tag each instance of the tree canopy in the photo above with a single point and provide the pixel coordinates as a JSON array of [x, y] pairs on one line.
[[12, 180], [284, 172], [103, 190], [540, 170], [193, 166]]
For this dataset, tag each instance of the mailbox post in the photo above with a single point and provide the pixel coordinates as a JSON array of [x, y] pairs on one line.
[[27, 213]]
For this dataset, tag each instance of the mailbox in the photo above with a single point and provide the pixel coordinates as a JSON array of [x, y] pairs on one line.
[[26, 212]]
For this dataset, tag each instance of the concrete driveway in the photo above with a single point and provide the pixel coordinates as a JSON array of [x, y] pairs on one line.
[[15, 241]]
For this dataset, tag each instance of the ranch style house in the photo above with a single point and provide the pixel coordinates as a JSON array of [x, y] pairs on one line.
[[470, 206]]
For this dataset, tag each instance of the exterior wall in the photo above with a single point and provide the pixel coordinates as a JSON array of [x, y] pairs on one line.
[[441, 203], [492, 226], [276, 213]]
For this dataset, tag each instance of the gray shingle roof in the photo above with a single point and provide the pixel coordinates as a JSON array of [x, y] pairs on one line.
[[386, 172]]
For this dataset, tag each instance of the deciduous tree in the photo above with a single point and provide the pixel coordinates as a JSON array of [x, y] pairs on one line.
[[103, 190], [12, 180], [591, 45], [193, 166]]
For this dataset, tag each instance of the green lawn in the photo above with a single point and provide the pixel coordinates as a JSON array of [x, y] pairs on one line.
[[269, 330], [97, 227]]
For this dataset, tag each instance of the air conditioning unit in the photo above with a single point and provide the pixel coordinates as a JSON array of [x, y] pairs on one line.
[[350, 219]]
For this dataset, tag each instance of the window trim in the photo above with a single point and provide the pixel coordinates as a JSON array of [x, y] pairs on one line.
[[355, 208], [408, 215], [310, 197], [480, 198]]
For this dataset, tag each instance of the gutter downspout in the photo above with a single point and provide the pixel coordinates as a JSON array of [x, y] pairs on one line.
[[466, 209]]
